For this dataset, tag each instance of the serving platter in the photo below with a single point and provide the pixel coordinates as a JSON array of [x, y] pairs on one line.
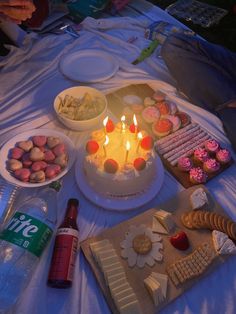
[[116, 104], [177, 205], [4, 152]]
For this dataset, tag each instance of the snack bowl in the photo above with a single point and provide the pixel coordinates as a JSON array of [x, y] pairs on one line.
[[25, 136], [81, 108]]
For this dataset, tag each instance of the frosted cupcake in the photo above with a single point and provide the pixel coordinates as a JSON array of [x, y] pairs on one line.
[[212, 146], [223, 156], [200, 155], [211, 165], [185, 164], [197, 175]]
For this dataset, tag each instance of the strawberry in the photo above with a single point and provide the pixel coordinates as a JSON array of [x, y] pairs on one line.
[[147, 142], [180, 241], [92, 147], [110, 166], [139, 164]]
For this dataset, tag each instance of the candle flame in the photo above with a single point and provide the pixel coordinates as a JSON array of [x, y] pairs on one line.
[[105, 121], [106, 140], [128, 145], [122, 118], [135, 120], [140, 136]]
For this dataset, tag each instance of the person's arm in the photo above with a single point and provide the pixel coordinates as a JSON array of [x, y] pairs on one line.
[[16, 10]]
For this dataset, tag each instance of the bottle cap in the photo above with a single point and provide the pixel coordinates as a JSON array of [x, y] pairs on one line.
[[73, 202], [56, 185]]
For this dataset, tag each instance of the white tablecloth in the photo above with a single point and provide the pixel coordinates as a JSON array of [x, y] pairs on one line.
[[30, 79]]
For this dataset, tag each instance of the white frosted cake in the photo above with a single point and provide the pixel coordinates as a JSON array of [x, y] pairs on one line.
[[113, 172]]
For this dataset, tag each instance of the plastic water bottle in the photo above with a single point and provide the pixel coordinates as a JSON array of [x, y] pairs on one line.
[[22, 242]]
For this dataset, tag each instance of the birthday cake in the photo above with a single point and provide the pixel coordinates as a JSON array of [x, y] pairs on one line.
[[119, 160]]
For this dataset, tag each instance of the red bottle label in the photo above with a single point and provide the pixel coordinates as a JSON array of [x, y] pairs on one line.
[[64, 254]]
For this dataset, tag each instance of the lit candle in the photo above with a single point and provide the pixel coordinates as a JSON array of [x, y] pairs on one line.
[[135, 125], [127, 151], [105, 124], [105, 144], [140, 136], [122, 124]]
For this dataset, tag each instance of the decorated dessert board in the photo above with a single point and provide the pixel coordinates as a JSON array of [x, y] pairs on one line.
[[158, 255], [181, 143]]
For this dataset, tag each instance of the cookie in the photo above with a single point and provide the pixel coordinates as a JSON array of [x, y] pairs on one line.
[[186, 221]]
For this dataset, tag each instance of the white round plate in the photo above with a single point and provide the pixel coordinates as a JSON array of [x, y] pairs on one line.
[[88, 65], [25, 136], [121, 204]]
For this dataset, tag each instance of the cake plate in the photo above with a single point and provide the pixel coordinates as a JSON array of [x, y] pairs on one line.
[[118, 203]]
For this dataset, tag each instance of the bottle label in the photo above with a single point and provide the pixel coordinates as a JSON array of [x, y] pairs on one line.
[[64, 255], [27, 232]]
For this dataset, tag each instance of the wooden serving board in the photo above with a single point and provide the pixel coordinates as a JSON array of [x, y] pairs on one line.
[[116, 105], [177, 205]]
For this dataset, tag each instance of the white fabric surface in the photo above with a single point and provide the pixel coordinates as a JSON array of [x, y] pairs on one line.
[[29, 82]]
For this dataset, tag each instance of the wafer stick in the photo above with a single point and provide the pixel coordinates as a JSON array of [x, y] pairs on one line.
[[174, 159], [171, 136], [185, 144], [191, 146], [181, 138]]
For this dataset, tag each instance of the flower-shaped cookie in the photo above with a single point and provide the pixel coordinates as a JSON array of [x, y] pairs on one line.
[[141, 246]]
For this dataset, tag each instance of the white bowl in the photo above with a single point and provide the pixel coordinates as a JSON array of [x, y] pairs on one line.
[[4, 155], [79, 92]]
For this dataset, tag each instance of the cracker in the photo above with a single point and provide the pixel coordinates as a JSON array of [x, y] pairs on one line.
[[186, 221]]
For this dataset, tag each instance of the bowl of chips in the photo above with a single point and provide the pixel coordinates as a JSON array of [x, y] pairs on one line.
[[81, 108]]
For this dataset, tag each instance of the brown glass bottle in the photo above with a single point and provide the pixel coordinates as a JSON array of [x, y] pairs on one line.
[[65, 249]]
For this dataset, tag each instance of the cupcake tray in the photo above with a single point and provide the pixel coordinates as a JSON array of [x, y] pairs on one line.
[[116, 106], [135, 276]]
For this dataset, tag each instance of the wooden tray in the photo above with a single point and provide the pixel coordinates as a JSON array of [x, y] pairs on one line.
[[178, 205], [116, 105]]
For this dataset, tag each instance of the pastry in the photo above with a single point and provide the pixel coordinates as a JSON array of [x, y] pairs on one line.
[[223, 156], [175, 121], [197, 175], [164, 108], [211, 165], [162, 127], [159, 96], [200, 155], [211, 146], [185, 164], [148, 101], [151, 114], [184, 118]]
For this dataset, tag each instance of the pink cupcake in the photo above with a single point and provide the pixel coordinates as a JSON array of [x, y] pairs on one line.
[[211, 165], [200, 155], [185, 164], [223, 156], [197, 175], [212, 146]]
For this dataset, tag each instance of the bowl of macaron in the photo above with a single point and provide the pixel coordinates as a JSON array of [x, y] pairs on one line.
[[81, 108], [36, 157]]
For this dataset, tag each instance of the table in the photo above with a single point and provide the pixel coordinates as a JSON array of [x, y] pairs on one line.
[[29, 82]]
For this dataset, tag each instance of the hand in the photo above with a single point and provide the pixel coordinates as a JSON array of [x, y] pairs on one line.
[[16, 10]]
